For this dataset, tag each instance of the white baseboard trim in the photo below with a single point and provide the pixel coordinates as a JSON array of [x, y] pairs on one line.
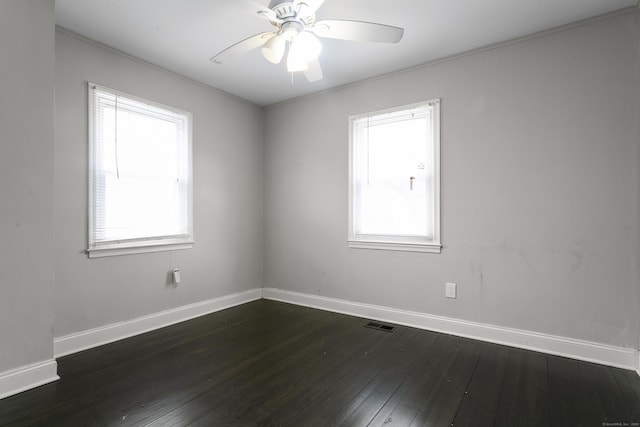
[[27, 377], [576, 349], [84, 340]]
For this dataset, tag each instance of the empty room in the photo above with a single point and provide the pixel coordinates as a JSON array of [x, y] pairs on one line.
[[320, 212]]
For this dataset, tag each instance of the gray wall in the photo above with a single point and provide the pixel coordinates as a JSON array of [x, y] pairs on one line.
[[227, 161], [636, 294], [26, 181], [539, 188]]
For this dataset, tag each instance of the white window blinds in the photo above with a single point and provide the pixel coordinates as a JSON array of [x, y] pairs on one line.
[[140, 172]]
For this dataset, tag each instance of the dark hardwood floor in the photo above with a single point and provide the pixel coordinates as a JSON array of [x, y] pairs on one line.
[[269, 363]]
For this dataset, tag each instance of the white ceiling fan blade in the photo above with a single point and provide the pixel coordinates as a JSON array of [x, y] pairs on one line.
[[357, 31], [307, 7], [313, 73], [241, 47]]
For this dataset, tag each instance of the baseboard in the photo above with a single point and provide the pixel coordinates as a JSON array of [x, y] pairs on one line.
[[27, 377], [567, 347], [35, 375], [74, 343]]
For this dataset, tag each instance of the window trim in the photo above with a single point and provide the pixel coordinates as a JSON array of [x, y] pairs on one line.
[[140, 245], [397, 243]]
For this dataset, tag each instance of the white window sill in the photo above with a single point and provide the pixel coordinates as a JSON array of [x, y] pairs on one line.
[[136, 248], [393, 246]]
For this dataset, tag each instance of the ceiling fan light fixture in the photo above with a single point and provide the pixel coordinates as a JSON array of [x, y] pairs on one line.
[[308, 45], [296, 61], [273, 49]]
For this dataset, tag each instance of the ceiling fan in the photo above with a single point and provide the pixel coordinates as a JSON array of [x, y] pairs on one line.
[[296, 28]]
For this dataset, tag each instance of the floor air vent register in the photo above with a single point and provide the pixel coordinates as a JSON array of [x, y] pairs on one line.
[[379, 326]]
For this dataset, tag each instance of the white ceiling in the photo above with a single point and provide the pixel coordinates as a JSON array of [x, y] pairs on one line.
[[181, 35]]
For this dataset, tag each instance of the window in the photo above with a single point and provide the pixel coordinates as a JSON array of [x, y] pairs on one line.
[[394, 171], [140, 180]]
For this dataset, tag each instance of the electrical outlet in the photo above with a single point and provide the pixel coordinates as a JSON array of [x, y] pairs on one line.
[[450, 290]]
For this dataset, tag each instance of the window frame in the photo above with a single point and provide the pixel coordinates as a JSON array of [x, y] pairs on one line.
[[97, 249], [394, 242]]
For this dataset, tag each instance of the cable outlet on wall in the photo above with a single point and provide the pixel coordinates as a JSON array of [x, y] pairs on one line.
[[176, 276], [450, 290]]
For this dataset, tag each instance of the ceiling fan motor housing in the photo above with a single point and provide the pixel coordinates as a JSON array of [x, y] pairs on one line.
[[288, 11]]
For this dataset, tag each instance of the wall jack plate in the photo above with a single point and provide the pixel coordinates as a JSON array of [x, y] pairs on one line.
[[450, 290]]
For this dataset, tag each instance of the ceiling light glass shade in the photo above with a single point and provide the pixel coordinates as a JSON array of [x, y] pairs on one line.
[[309, 45], [273, 49], [296, 60]]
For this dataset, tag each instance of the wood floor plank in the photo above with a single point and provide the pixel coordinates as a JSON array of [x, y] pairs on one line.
[[214, 365], [305, 403], [443, 401], [323, 398], [405, 403], [263, 368], [572, 400], [524, 398], [629, 385], [481, 401], [328, 360], [254, 354], [333, 402], [379, 390], [299, 408], [601, 383]]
